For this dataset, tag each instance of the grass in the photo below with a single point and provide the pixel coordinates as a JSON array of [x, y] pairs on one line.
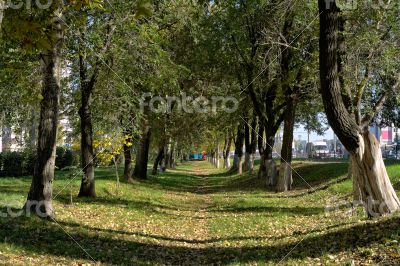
[[197, 215]]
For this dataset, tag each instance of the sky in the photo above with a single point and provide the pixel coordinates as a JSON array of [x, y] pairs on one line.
[[302, 133]]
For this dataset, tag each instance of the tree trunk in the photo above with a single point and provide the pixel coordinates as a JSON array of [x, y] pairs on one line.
[[226, 152], [40, 194], [285, 178], [88, 183], [6, 138], [217, 157], [253, 146], [2, 9], [237, 161], [372, 184], [142, 157], [158, 159], [167, 157], [172, 156], [247, 146], [371, 181], [128, 161], [267, 169]]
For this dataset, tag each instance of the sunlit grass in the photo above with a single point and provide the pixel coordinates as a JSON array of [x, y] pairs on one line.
[[198, 215]]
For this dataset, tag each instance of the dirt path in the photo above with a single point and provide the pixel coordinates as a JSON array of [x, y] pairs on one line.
[[206, 202]]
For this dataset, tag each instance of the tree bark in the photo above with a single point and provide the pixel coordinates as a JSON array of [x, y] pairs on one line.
[[217, 157], [371, 183], [88, 183], [253, 145], [268, 169], [226, 155], [247, 146], [142, 157], [128, 161], [40, 194], [237, 161], [158, 159], [285, 178]]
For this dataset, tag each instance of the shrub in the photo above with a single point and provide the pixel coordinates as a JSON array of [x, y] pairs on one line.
[[12, 164], [65, 158], [15, 164]]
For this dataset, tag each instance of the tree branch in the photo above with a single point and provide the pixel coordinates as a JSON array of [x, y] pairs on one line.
[[379, 104]]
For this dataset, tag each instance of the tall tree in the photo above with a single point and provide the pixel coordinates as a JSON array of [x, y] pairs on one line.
[[41, 190], [370, 179], [88, 82]]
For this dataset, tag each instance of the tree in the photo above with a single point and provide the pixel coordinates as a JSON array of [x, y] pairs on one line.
[[87, 85], [41, 190], [370, 180]]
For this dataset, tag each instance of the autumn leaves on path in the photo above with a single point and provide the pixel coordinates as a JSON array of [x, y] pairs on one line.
[[198, 215]]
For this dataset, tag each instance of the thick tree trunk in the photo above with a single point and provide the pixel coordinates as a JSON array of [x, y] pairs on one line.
[[40, 194], [142, 157], [158, 159], [88, 183], [285, 178], [372, 184], [128, 161], [268, 169]]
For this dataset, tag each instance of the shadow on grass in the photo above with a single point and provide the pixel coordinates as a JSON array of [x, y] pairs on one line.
[[43, 238], [318, 173], [293, 211], [195, 241]]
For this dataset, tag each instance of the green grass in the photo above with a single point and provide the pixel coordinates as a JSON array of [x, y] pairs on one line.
[[198, 215]]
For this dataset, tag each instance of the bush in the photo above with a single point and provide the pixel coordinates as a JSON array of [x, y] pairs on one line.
[[15, 164], [65, 158], [12, 164]]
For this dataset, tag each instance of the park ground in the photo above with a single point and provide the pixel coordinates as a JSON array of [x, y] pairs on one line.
[[197, 215]]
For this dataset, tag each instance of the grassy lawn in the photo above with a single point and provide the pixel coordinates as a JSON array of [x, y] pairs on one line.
[[198, 215]]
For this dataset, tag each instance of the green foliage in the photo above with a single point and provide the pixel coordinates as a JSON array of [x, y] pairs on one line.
[[12, 163], [17, 164], [64, 158]]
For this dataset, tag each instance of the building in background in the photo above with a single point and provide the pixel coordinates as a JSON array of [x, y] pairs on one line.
[[9, 141]]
